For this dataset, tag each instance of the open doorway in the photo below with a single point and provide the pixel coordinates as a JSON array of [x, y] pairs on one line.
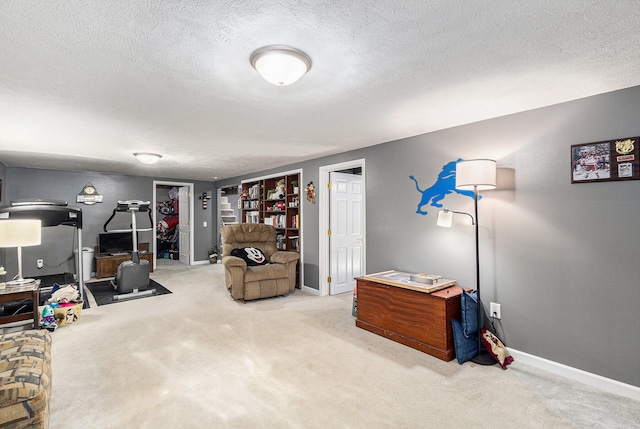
[[228, 208], [342, 226], [172, 219]]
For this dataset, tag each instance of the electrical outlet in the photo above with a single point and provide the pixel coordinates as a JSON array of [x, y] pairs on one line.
[[494, 310], [40, 263]]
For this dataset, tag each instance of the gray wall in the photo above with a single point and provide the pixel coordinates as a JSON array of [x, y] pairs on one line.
[[562, 259], [3, 174], [3, 198], [59, 242]]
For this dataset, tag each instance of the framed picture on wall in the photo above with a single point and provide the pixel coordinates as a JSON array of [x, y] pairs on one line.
[[606, 161]]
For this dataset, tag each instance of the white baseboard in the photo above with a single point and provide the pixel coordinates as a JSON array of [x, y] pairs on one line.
[[310, 290], [606, 384]]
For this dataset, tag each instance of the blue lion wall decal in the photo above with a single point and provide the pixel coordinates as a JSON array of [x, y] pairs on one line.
[[445, 185]]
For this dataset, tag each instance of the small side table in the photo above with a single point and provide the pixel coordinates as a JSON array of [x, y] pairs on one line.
[[16, 293]]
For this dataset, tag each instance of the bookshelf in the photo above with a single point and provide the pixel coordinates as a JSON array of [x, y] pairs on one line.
[[275, 200]]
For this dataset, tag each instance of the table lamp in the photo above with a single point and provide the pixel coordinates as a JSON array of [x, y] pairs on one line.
[[20, 233]]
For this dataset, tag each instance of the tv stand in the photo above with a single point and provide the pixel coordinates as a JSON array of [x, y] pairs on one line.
[[107, 265]]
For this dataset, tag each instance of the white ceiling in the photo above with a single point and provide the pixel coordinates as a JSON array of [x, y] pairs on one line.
[[84, 84]]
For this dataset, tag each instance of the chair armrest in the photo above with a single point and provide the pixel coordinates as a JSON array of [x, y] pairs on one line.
[[234, 271], [284, 257], [234, 261]]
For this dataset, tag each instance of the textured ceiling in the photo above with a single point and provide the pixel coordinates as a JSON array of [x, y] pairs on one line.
[[84, 84]]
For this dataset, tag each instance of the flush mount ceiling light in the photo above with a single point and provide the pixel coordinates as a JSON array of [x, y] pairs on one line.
[[280, 65], [147, 158]]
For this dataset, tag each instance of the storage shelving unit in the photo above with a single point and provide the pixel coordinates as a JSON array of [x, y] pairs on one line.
[[262, 204]]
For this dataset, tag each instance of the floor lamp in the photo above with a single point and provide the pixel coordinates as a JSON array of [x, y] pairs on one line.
[[474, 175], [20, 233]]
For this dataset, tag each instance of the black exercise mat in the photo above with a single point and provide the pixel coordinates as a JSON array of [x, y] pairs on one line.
[[103, 291], [61, 279]]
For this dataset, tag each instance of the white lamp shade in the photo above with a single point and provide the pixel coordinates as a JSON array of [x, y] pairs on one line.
[[147, 158], [280, 65], [20, 232], [476, 173], [445, 219]]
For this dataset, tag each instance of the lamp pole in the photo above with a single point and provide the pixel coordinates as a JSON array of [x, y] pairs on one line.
[[482, 358]]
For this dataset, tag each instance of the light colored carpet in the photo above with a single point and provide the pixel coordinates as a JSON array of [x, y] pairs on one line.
[[197, 359]]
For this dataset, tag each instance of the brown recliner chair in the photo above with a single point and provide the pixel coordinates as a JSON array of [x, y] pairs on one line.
[[245, 283]]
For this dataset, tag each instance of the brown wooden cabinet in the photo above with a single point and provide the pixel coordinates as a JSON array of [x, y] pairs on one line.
[[413, 318], [17, 293], [107, 265]]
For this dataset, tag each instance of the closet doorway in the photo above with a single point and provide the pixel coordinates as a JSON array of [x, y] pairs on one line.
[[172, 218], [342, 226]]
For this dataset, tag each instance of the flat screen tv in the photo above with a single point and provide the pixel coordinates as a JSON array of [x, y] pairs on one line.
[[115, 242]]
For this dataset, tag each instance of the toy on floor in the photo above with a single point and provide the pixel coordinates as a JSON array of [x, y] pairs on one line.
[[48, 321], [62, 295]]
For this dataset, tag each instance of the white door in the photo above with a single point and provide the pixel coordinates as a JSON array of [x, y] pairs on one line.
[[346, 224], [183, 224]]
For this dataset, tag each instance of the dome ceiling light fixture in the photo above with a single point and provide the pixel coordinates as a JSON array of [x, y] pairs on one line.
[[147, 158], [280, 65]]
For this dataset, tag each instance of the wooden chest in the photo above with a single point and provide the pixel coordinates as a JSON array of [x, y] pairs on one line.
[[413, 318]]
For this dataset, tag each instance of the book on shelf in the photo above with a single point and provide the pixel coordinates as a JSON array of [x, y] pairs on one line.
[[294, 242], [295, 221], [250, 205], [254, 191], [252, 217], [276, 221]]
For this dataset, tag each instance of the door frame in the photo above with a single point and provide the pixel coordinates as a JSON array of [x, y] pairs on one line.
[[324, 216], [157, 183]]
